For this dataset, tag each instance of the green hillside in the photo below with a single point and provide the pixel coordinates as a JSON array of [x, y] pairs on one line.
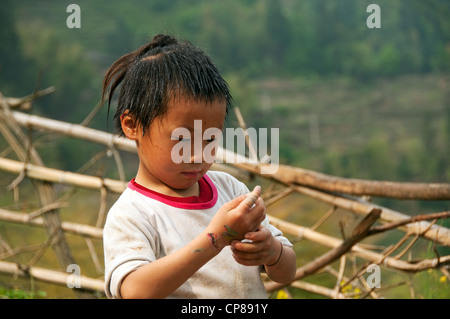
[[349, 100]]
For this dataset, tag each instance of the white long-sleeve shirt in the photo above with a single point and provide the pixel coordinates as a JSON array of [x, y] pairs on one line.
[[143, 226]]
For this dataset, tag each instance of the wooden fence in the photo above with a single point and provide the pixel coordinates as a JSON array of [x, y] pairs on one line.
[[347, 258]]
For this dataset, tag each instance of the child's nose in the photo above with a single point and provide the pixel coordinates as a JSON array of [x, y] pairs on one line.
[[197, 158], [203, 152], [197, 151]]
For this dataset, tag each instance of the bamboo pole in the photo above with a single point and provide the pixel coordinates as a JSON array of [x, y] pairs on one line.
[[70, 227], [51, 276], [251, 148], [58, 176], [316, 289], [75, 131], [360, 187], [399, 190]]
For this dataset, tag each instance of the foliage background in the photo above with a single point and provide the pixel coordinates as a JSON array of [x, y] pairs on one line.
[[349, 100]]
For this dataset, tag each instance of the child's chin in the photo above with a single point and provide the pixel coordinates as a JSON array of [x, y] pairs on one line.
[[179, 185]]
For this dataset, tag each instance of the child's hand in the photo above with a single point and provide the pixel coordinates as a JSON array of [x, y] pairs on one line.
[[242, 215], [260, 248]]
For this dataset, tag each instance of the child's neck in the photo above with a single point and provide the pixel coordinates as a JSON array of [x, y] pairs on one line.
[[164, 189]]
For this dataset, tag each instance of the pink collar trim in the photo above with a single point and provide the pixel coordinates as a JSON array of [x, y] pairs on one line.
[[177, 204]]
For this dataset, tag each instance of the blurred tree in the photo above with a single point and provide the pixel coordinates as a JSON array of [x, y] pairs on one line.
[[64, 66], [13, 65], [277, 33]]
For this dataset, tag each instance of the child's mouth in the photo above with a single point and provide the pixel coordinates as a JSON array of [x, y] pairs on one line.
[[193, 174]]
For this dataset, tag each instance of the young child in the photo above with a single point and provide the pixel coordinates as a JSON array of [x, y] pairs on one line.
[[177, 230]]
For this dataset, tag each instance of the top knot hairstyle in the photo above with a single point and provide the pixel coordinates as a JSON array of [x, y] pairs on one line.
[[158, 72]]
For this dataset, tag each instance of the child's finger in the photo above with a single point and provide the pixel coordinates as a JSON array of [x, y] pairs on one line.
[[244, 248], [232, 204], [252, 197], [260, 234]]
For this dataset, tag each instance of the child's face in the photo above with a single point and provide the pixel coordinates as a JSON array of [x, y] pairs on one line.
[[157, 170]]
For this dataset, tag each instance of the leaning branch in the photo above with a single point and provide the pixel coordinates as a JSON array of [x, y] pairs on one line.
[[358, 234], [361, 231], [299, 176], [24, 103], [382, 228]]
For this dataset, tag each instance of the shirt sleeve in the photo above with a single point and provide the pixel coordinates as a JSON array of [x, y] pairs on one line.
[[129, 243], [276, 233]]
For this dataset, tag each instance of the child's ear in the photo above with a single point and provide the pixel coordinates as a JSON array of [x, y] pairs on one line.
[[129, 125]]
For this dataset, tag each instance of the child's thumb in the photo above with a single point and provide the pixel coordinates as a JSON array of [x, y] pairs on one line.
[[251, 198]]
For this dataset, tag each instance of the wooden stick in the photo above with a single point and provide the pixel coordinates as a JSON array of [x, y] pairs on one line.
[[251, 147], [316, 289], [24, 103], [382, 228], [437, 233], [349, 245], [337, 287], [58, 176], [70, 227], [332, 242], [400, 190], [51, 276], [75, 131], [359, 233]]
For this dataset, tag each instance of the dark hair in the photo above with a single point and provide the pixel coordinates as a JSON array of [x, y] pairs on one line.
[[156, 73]]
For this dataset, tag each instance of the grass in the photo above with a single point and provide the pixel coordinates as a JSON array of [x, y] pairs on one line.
[[19, 293]]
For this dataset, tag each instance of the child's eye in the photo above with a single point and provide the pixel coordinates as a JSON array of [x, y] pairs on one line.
[[179, 138]]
